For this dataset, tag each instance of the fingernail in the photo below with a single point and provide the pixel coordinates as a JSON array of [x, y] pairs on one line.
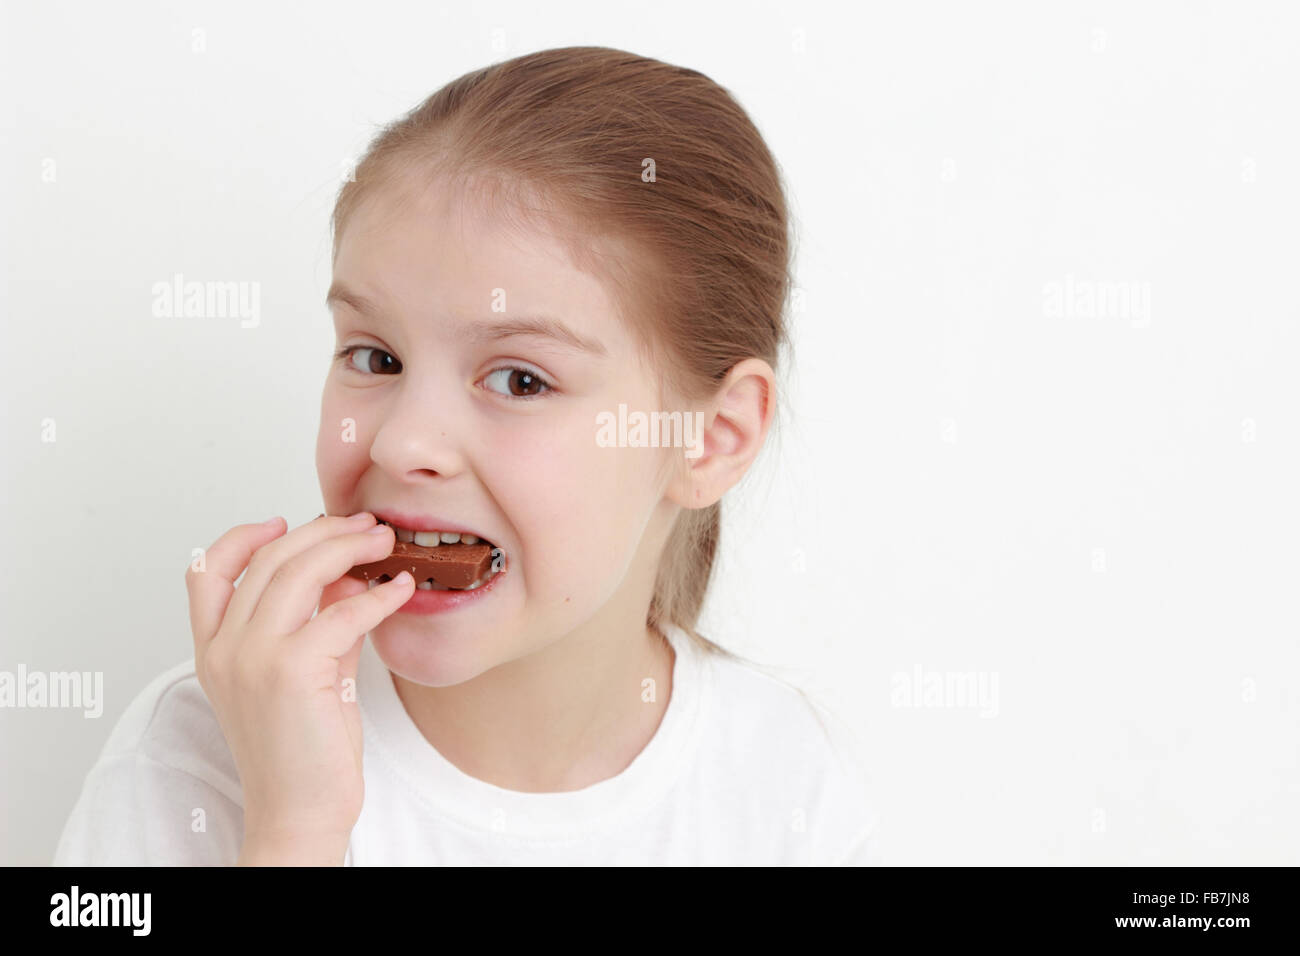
[[271, 521], [377, 529]]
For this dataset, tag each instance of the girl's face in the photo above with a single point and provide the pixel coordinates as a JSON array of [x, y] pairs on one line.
[[456, 405]]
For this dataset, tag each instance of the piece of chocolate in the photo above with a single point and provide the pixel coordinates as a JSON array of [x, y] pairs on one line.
[[451, 565]]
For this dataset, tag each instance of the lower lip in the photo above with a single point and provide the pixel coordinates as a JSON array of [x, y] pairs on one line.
[[435, 602]]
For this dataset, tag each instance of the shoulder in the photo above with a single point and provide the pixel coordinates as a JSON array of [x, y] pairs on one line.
[[805, 760], [164, 788], [171, 722]]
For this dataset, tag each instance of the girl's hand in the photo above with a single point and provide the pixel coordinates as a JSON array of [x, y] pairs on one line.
[[275, 675]]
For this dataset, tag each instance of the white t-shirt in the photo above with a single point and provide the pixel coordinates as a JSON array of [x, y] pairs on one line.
[[742, 770]]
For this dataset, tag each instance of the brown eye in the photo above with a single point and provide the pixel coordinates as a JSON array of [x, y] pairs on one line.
[[524, 383], [373, 361], [520, 383]]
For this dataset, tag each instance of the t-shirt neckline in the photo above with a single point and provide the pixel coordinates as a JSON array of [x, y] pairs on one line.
[[392, 738]]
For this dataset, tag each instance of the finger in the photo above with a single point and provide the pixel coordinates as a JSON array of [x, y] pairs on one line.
[[296, 589], [267, 561], [210, 590], [336, 631], [340, 590]]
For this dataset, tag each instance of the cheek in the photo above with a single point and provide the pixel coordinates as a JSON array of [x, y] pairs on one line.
[[577, 507], [340, 452]]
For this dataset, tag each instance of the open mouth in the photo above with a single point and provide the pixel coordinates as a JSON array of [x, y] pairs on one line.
[[438, 560]]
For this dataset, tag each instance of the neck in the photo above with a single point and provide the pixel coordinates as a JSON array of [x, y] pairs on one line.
[[562, 718]]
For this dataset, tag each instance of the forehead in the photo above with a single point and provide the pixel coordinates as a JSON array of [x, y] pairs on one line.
[[425, 250]]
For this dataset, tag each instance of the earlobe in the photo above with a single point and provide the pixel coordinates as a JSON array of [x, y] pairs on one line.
[[735, 425]]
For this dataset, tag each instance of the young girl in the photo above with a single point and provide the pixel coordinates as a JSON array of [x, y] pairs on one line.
[[543, 247]]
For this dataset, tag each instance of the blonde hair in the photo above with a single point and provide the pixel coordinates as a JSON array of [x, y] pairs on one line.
[[662, 163]]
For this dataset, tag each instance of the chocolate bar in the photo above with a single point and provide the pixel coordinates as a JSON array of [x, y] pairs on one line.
[[451, 565]]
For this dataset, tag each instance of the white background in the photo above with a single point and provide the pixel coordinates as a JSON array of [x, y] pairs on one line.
[[1099, 512]]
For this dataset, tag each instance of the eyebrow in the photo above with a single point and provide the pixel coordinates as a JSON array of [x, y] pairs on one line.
[[478, 332], [358, 303]]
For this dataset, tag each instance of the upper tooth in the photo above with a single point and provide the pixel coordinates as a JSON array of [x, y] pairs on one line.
[[430, 539]]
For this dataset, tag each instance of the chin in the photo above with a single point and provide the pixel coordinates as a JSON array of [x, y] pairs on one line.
[[422, 659]]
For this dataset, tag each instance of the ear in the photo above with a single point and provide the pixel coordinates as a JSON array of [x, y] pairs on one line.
[[735, 425]]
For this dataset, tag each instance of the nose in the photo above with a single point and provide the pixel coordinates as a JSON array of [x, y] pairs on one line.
[[419, 433]]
